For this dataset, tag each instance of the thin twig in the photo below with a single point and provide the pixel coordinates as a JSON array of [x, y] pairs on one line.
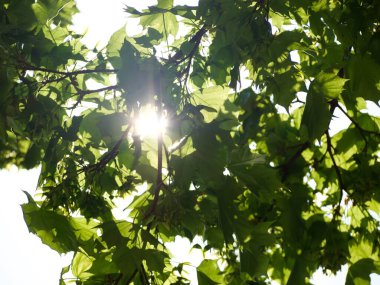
[[197, 40], [361, 130], [166, 32], [52, 80], [132, 277], [179, 57], [109, 155], [159, 182], [26, 67], [295, 156], [337, 171], [82, 93], [143, 275]]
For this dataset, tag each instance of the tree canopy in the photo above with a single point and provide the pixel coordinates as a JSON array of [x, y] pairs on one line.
[[248, 161]]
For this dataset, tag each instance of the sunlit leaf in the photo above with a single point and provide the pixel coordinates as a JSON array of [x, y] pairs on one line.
[[80, 265], [253, 170], [52, 228], [208, 273], [328, 84]]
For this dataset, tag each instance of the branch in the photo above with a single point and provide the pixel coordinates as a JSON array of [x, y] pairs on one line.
[[143, 276], [109, 155], [27, 67], [159, 181], [295, 156], [82, 93], [337, 171], [71, 75], [361, 130], [52, 80], [131, 278], [197, 40], [178, 57]]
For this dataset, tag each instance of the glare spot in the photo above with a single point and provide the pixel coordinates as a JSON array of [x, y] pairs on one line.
[[149, 124], [252, 146], [226, 172], [294, 56]]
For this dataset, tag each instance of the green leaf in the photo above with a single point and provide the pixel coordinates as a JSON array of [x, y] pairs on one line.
[[46, 9], [103, 264], [41, 12], [164, 23], [208, 273], [80, 265], [64, 271], [155, 260], [21, 14], [84, 229], [111, 234], [225, 214], [285, 86], [359, 272], [254, 263], [52, 228], [165, 4], [114, 46], [32, 157], [212, 96], [329, 84], [210, 101], [139, 76], [364, 77], [260, 179], [284, 42], [214, 237], [316, 116]]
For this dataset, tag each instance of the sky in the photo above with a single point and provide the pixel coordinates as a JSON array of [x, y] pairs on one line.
[[24, 259]]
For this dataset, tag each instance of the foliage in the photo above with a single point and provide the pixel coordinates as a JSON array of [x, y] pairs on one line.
[[274, 194]]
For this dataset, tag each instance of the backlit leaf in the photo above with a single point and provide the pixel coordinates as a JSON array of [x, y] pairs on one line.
[[329, 84], [316, 116]]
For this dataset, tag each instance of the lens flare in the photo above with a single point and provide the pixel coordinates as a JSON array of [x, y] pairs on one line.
[[149, 124]]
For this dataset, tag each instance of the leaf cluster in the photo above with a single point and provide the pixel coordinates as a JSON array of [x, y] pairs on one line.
[[250, 162]]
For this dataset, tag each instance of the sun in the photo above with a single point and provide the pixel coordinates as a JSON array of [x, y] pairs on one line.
[[149, 123]]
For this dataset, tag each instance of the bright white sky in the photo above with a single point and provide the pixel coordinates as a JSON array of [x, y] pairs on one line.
[[24, 259]]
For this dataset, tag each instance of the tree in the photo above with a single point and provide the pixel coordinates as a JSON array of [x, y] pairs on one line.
[[274, 194]]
